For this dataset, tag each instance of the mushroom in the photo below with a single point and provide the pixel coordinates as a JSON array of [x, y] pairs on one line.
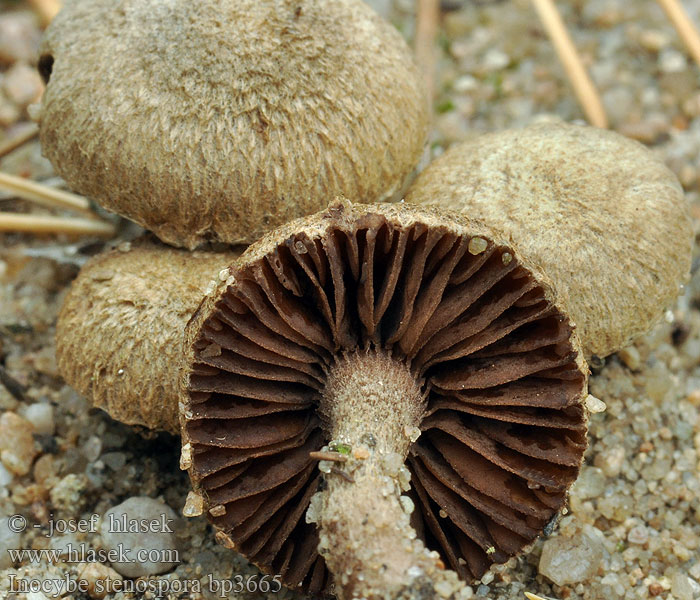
[[120, 332], [601, 215], [424, 359], [218, 120]]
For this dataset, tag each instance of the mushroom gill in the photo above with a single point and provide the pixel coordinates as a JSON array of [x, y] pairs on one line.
[[413, 344]]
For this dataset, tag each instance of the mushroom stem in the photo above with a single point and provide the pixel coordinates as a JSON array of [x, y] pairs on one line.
[[372, 407]]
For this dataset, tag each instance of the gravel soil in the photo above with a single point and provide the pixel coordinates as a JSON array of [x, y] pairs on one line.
[[632, 527]]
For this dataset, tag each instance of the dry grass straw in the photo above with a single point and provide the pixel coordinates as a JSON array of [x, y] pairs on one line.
[[573, 65]]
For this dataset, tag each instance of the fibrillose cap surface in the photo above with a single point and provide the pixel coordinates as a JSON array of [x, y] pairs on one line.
[[598, 213], [504, 429], [218, 120], [120, 332]]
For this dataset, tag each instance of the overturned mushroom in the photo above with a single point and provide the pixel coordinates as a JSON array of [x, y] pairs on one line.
[[119, 334], [599, 213], [430, 362], [216, 120]]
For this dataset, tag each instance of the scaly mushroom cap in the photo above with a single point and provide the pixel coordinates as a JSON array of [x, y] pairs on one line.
[[503, 430], [598, 213], [120, 331], [223, 119]]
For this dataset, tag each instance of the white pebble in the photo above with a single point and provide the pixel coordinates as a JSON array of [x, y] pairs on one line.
[[465, 83], [9, 540], [594, 404], [413, 433], [92, 448], [157, 539], [443, 589], [638, 535], [570, 560], [681, 587], [6, 476], [495, 59], [590, 484], [194, 505], [414, 572], [630, 356], [477, 245], [407, 504], [672, 61], [186, 457]]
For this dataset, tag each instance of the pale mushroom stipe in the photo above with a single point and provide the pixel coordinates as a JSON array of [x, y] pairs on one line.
[[218, 121]]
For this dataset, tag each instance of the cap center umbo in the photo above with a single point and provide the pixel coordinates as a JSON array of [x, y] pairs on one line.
[[486, 361]]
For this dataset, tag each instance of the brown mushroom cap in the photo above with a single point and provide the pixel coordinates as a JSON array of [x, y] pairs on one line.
[[221, 120], [120, 331], [503, 430], [598, 213]]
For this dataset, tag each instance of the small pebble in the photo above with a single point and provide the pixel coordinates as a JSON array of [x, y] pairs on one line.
[[638, 535], [477, 245], [6, 476], [590, 483], [158, 539], [67, 494], [495, 60], [570, 560], [611, 460], [672, 61], [99, 579], [487, 578], [594, 404], [41, 416], [44, 468], [407, 504], [681, 587], [630, 356], [9, 540], [443, 589], [194, 505], [19, 37], [17, 448], [186, 456], [22, 84], [360, 453], [114, 460], [92, 448], [654, 40]]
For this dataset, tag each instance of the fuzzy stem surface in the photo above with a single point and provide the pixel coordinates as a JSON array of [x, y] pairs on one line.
[[372, 408]]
